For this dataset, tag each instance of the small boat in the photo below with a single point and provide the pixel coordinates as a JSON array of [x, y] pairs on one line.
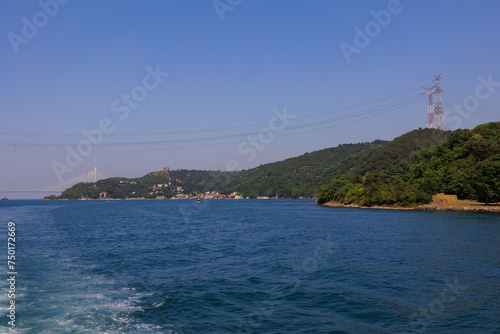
[[3, 198]]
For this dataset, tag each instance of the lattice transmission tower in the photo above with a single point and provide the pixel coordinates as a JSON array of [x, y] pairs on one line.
[[435, 116]]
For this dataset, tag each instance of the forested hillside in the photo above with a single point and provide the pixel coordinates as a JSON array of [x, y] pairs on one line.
[[405, 171], [465, 164], [301, 176], [151, 185], [304, 176]]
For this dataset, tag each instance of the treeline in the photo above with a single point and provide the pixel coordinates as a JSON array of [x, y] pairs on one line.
[[117, 187], [465, 164], [305, 175], [405, 171], [301, 176], [151, 185]]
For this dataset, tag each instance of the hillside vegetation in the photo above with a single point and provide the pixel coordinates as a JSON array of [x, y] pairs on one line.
[[465, 164], [405, 171], [305, 175], [302, 176], [150, 186]]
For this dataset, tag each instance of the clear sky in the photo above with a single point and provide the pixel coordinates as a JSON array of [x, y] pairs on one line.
[[202, 84]]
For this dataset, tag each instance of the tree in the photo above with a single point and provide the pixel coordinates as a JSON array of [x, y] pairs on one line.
[[487, 183], [477, 146]]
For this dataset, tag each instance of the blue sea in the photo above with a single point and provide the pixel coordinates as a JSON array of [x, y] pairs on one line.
[[248, 266]]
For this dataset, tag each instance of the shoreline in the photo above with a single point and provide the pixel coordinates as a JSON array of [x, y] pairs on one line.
[[168, 199], [426, 207]]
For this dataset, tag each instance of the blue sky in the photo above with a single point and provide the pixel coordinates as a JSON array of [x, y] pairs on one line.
[[234, 68]]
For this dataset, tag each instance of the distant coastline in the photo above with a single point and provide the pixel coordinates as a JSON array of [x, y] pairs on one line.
[[424, 169], [57, 198]]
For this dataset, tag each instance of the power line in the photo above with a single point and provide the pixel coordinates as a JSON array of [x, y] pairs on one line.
[[115, 145], [207, 130]]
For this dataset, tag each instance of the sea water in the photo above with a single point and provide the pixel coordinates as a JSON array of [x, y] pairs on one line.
[[248, 266]]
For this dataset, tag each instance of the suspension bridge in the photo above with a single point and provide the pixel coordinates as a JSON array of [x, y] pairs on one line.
[[91, 176]]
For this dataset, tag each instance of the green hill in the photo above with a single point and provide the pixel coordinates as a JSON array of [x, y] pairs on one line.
[[162, 183], [303, 176], [466, 164], [405, 171], [296, 177]]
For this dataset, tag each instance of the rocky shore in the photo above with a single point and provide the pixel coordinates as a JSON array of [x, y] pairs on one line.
[[465, 207]]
